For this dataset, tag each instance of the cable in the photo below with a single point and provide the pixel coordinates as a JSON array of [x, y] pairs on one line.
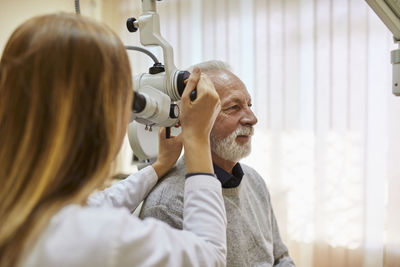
[[77, 7], [143, 50]]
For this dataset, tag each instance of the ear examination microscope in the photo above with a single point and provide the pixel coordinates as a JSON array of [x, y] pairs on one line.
[[389, 12], [164, 84], [156, 92]]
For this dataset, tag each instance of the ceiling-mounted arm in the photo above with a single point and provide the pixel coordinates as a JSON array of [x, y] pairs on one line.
[[149, 6], [149, 26]]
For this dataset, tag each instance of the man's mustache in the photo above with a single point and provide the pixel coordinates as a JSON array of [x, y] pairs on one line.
[[244, 130]]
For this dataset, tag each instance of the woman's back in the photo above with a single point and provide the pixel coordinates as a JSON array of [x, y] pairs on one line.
[[102, 235]]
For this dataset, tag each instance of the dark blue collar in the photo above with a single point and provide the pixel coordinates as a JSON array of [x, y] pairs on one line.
[[229, 180]]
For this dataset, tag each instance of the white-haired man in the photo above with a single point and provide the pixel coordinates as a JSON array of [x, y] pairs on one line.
[[253, 237]]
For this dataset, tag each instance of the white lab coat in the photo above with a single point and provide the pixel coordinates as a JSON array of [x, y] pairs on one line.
[[105, 233]]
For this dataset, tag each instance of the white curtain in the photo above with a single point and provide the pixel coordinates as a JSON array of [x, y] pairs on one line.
[[328, 137]]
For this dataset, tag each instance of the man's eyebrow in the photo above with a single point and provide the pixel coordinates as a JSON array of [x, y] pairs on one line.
[[233, 100], [237, 100]]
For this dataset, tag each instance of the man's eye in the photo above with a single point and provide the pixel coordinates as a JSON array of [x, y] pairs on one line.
[[234, 107]]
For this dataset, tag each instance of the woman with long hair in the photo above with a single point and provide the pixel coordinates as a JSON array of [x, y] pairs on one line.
[[65, 100]]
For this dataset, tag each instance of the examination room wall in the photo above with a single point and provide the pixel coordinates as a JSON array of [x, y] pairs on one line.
[[328, 137], [14, 12]]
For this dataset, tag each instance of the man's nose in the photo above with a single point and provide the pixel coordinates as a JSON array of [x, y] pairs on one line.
[[249, 119]]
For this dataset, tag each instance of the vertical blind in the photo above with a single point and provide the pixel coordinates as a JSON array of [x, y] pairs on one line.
[[328, 137]]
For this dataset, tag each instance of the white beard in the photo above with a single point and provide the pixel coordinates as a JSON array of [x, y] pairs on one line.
[[228, 148]]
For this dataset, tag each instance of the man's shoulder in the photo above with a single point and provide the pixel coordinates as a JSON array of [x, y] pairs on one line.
[[254, 178], [251, 173]]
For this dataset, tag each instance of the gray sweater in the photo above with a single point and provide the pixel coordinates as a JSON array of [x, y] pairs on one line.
[[252, 233]]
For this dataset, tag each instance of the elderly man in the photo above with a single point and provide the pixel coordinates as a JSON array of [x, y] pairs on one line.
[[252, 234]]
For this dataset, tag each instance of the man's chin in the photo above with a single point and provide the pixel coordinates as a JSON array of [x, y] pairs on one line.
[[232, 148], [234, 155]]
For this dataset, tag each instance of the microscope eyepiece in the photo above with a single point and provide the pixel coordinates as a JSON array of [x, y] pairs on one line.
[[180, 82], [139, 103]]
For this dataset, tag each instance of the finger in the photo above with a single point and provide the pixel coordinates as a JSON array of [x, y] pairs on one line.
[[192, 83], [206, 86], [186, 81], [178, 138], [161, 133]]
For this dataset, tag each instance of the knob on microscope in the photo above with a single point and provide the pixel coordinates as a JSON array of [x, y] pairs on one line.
[[131, 24]]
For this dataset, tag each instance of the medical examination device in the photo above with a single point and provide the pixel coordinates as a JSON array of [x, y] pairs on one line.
[[389, 12], [156, 92], [164, 84]]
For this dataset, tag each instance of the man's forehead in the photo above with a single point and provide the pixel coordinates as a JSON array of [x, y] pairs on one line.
[[221, 75], [229, 87], [235, 97]]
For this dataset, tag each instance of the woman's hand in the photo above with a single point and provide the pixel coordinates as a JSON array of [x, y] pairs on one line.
[[169, 151], [197, 119], [198, 116]]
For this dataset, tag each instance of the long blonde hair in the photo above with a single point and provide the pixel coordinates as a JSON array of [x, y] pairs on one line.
[[65, 95]]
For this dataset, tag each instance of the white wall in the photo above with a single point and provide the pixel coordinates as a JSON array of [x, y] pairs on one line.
[[15, 12]]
